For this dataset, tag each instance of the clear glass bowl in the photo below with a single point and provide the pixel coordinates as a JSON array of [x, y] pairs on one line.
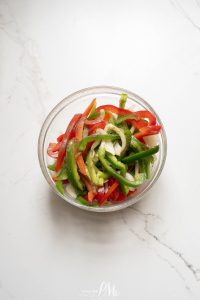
[[60, 116]]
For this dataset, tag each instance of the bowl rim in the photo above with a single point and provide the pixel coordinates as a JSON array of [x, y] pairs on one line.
[[66, 101]]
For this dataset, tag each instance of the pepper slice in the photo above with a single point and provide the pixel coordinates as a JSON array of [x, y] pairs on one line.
[[122, 100], [115, 163], [63, 173], [112, 172], [127, 118], [149, 130], [109, 192], [136, 145], [84, 201], [147, 115], [105, 137], [59, 186], [53, 149], [94, 127], [115, 109], [60, 138], [141, 154], [99, 181], [93, 121], [72, 171], [90, 109], [67, 136]]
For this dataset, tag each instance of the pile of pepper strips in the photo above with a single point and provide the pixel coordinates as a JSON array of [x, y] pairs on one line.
[[86, 156]]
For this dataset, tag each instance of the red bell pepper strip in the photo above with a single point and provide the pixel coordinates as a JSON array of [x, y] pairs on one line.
[[93, 122], [115, 109], [145, 131], [138, 123], [66, 138], [79, 128], [109, 192], [79, 136], [148, 115], [115, 194], [60, 138], [53, 149], [93, 128], [142, 123], [88, 109]]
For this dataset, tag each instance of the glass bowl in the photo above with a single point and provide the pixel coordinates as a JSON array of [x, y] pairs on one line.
[[60, 116]]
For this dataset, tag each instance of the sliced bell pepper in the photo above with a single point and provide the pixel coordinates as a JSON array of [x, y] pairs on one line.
[[114, 109], [79, 128], [109, 192], [103, 175], [51, 167], [72, 171], [59, 186], [90, 108], [99, 181], [93, 121], [115, 163], [145, 114], [94, 127], [67, 136], [139, 155], [145, 131], [122, 100], [111, 171], [104, 137], [136, 145], [53, 149], [138, 123], [84, 201], [127, 118], [121, 196], [60, 138], [63, 173]]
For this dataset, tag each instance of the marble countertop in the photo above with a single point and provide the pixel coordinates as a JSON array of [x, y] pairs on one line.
[[49, 249]]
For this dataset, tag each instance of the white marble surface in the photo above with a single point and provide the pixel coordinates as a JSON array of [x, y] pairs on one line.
[[49, 249]]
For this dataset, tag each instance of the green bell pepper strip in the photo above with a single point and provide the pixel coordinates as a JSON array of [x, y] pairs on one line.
[[72, 171], [105, 137], [115, 163], [51, 167], [95, 114], [139, 155], [124, 188], [128, 135], [63, 173], [99, 181], [92, 114], [122, 100], [85, 202], [59, 186], [121, 119], [142, 165], [103, 175], [136, 145], [112, 172], [147, 164]]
